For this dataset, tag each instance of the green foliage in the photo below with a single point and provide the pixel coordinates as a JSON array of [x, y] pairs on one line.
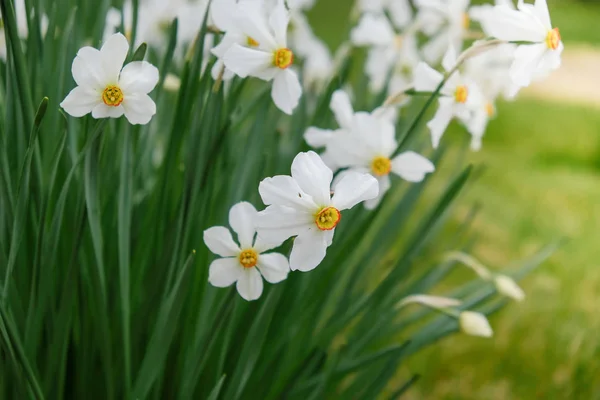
[[105, 289]]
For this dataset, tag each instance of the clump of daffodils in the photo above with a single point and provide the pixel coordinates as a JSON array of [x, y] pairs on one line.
[[293, 170]]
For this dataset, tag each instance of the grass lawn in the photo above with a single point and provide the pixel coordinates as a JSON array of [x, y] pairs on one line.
[[542, 182]]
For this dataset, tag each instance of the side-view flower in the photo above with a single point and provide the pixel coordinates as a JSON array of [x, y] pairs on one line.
[[107, 89]]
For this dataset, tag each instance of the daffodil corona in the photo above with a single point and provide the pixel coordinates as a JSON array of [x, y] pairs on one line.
[[107, 89]]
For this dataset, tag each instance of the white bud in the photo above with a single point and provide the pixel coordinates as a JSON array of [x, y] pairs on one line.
[[508, 287], [429, 301], [172, 83], [475, 324]]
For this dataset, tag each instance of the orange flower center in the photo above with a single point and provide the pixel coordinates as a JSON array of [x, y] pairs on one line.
[[381, 166], [553, 39], [327, 218], [248, 258], [490, 110], [461, 94], [283, 58], [112, 96]]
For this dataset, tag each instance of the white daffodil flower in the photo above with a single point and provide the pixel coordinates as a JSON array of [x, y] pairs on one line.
[[368, 148], [458, 96], [475, 324], [529, 23], [399, 11], [270, 59], [446, 22], [301, 205], [388, 51], [506, 286], [342, 109], [224, 14], [247, 264], [108, 89]]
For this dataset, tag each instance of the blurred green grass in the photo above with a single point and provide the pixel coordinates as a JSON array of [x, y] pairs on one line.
[[542, 181]]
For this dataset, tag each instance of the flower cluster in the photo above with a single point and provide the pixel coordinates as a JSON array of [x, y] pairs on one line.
[[272, 41]]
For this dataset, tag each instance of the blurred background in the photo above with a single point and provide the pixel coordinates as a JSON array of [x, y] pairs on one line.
[[541, 182]]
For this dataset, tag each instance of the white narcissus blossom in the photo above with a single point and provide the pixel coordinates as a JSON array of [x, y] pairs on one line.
[[301, 205], [270, 59], [388, 51], [400, 11], [458, 96], [108, 89], [368, 148], [342, 109], [224, 14], [530, 23], [475, 324], [247, 264], [446, 21], [508, 287]]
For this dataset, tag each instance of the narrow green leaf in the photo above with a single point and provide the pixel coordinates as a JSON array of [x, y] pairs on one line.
[[124, 229], [214, 394], [22, 200]]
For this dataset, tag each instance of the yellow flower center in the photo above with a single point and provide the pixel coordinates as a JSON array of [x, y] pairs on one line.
[[248, 258], [112, 96], [398, 41], [466, 21], [381, 166], [327, 218], [251, 42], [490, 110], [553, 39], [461, 94], [283, 58]]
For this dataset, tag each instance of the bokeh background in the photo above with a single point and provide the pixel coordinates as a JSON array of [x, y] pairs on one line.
[[541, 182]]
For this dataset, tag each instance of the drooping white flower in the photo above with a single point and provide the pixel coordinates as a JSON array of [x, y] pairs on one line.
[[108, 89], [475, 324], [458, 96], [301, 205], [529, 23], [247, 264], [270, 59], [508, 287], [446, 22], [369, 148], [490, 71]]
